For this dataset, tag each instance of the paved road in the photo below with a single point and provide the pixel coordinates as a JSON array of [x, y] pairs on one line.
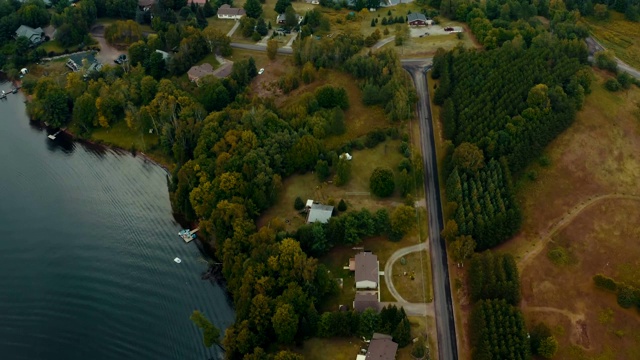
[[254, 47], [388, 267], [594, 46], [445, 322]]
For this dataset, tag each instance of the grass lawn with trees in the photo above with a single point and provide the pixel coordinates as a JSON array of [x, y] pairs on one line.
[[617, 34], [355, 192], [581, 231], [418, 272]]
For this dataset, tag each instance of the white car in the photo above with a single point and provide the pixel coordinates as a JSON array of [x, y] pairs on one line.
[[260, 71]]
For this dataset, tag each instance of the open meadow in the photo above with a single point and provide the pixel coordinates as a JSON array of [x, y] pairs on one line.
[[582, 217], [619, 35]]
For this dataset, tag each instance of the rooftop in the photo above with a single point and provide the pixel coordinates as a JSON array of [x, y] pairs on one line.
[[416, 16], [364, 301], [319, 212], [199, 71], [382, 349], [226, 9], [366, 267]]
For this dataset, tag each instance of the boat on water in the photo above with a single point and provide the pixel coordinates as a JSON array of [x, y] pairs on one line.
[[177, 260]]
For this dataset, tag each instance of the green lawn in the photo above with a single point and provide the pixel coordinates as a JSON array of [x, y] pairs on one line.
[[223, 25], [55, 47], [121, 136], [211, 59], [619, 35]]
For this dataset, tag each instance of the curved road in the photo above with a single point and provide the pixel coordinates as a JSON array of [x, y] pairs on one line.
[[594, 46], [444, 315], [388, 267]]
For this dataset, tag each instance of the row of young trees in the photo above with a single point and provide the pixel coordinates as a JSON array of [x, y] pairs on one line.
[[482, 204]]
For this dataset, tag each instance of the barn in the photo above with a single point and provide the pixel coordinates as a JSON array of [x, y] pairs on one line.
[[417, 19]]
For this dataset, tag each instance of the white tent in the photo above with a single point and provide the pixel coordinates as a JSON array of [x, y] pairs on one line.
[[346, 156]]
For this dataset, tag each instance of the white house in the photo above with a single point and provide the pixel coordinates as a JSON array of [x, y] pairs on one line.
[[227, 12], [366, 267]]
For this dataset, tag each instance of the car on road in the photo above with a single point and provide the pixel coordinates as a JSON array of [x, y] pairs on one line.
[[448, 29], [260, 71], [121, 59]]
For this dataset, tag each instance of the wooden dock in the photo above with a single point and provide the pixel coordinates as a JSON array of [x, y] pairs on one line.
[[188, 237]]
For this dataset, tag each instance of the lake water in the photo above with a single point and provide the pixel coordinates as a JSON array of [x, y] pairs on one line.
[[87, 242]]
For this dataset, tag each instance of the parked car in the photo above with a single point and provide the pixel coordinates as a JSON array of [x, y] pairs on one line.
[[260, 71], [448, 29], [122, 58]]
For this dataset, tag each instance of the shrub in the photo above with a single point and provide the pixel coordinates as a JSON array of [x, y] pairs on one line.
[[544, 161], [559, 256], [298, 204], [626, 296], [612, 85], [418, 350], [374, 138], [381, 182], [342, 205], [605, 282]]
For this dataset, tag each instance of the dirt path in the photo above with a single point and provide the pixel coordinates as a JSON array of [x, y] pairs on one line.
[[564, 221], [572, 316]]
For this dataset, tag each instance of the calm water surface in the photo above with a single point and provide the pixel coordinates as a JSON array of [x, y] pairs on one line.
[[87, 242]]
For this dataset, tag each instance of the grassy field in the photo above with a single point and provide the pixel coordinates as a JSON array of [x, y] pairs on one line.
[[572, 208], [121, 136], [409, 278], [619, 35], [427, 46], [355, 192], [223, 25]]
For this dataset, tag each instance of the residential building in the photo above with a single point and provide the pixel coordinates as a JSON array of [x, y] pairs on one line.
[[367, 276], [366, 300], [318, 212], [199, 71], [227, 12], [282, 19], [381, 347], [36, 36], [417, 19]]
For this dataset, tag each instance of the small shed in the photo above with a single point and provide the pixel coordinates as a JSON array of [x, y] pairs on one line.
[[320, 213], [346, 156]]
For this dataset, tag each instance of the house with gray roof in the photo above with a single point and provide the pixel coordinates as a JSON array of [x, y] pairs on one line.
[[366, 268], [381, 347], [366, 300], [36, 36], [319, 212]]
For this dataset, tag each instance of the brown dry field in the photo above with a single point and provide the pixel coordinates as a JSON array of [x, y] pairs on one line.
[[419, 265], [587, 202]]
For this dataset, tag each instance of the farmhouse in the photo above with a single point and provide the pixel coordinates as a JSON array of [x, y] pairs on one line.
[[36, 36], [418, 19], [318, 212], [227, 12], [366, 267], [199, 71]]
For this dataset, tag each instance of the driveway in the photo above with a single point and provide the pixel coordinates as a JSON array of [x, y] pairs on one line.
[[594, 46], [388, 267], [107, 53]]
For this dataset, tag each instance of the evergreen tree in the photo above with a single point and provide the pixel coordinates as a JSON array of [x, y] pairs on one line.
[[253, 8]]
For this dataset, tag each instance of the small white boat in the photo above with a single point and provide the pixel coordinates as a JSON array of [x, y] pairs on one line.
[[177, 260]]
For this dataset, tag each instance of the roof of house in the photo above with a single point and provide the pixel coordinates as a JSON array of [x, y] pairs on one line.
[[416, 16], [146, 3], [364, 301], [366, 267], [200, 71], [382, 349], [319, 212], [28, 32], [226, 9], [281, 17]]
